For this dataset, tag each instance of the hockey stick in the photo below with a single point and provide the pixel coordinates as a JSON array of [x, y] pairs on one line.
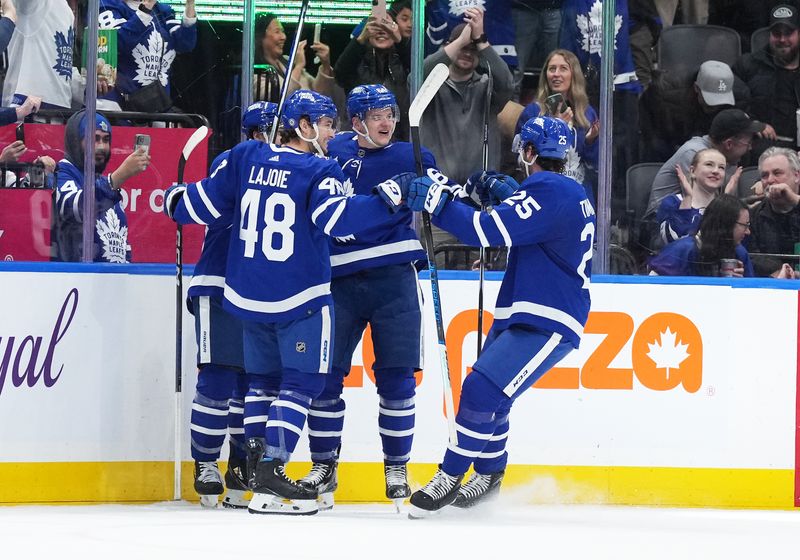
[[482, 255], [196, 137], [425, 95], [289, 66]]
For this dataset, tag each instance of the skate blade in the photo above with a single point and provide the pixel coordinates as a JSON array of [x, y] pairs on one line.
[[267, 504], [418, 513], [398, 504], [209, 501], [235, 499], [325, 501]]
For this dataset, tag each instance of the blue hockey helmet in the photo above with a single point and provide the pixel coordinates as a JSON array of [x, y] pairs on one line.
[[259, 116], [307, 103], [551, 137], [371, 96]]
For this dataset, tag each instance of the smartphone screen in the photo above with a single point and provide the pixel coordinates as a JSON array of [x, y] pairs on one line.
[[142, 141], [555, 103], [317, 31], [379, 10], [21, 132]]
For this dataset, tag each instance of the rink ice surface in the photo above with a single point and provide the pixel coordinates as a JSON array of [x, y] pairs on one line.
[[501, 530]]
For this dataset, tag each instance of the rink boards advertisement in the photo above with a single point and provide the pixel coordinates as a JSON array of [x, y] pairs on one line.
[[679, 395]]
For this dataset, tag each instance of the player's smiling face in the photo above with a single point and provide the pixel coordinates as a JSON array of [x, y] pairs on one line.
[[380, 125], [327, 130]]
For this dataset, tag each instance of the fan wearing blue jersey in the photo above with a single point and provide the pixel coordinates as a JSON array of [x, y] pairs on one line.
[[374, 282], [548, 225], [219, 401], [282, 202]]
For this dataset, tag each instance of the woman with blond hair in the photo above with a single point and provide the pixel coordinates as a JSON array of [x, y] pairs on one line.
[[562, 94]]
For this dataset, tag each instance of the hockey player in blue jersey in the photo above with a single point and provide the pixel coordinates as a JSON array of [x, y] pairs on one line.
[[375, 282], [218, 404], [282, 202], [548, 225]]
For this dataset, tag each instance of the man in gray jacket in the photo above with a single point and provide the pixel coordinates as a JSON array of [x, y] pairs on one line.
[[452, 126]]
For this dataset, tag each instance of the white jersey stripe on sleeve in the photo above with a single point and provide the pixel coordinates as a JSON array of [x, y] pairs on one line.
[[207, 201], [501, 227], [476, 222], [321, 208], [187, 201], [334, 217]]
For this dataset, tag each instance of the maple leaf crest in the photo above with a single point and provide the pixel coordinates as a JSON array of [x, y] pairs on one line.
[[150, 64], [113, 236], [591, 28], [63, 65], [346, 188], [668, 352], [458, 7]]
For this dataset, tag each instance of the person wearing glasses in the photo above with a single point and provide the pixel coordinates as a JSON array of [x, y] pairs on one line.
[[731, 133], [776, 220], [716, 250]]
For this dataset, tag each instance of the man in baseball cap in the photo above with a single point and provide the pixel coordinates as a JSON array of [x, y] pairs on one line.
[[715, 83], [784, 14]]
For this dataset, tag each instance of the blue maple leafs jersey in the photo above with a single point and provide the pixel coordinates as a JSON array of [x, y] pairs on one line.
[[393, 242], [111, 227], [146, 44], [282, 204], [549, 227], [209, 272]]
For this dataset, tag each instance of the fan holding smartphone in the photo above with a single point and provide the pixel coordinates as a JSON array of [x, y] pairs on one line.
[[562, 93]]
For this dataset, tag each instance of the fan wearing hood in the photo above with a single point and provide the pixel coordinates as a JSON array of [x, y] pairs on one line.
[[111, 229]]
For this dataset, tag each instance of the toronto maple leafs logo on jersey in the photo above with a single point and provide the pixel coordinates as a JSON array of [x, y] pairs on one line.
[[63, 65], [591, 27], [152, 61], [346, 188], [113, 236], [458, 7]]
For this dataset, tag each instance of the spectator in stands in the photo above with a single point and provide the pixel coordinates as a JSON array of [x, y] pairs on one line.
[[149, 36], [679, 214], [692, 11], [562, 74], [645, 29], [379, 54], [452, 126], [731, 133], [270, 41], [14, 151], [40, 54], [111, 230], [672, 112], [400, 12], [8, 21], [776, 220], [536, 25], [772, 76], [581, 33], [442, 16], [722, 229]]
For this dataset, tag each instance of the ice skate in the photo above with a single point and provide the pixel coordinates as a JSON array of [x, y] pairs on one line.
[[323, 478], [441, 491], [276, 493], [208, 482], [255, 451], [236, 483], [397, 488], [479, 489]]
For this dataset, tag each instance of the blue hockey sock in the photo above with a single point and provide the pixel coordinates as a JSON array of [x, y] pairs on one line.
[[209, 417], [326, 419], [236, 417], [263, 390], [396, 413], [287, 413], [475, 422], [494, 457]]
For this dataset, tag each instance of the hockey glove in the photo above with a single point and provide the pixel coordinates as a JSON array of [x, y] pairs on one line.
[[172, 197], [395, 190], [499, 187], [425, 194]]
